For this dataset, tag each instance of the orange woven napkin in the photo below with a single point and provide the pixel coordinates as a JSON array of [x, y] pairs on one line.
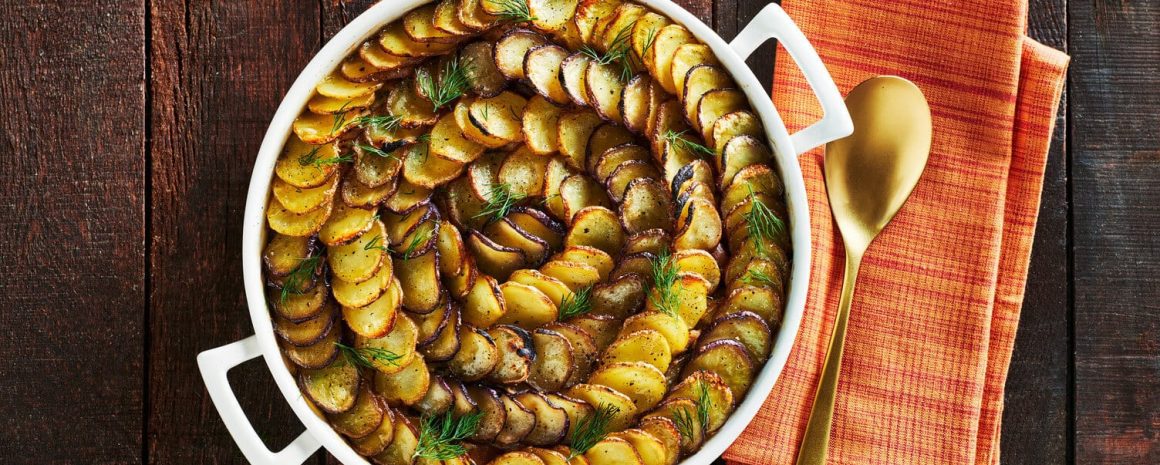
[[937, 303]]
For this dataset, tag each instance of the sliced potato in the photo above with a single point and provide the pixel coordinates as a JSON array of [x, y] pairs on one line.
[[524, 172], [554, 361], [603, 166], [477, 355], [575, 409], [358, 195], [700, 263], [760, 300], [316, 355], [686, 57], [463, 207], [363, 418], [432, 324], [686, 409], [618, 30], [639, 264], [592, 17], [346, 224], [745, 327], [602, 327], [640, 381], [558, 171], [673, 328], [512, 49], [653, 241], [691, 293], [656, 98], [484, 304], [406, 387], [738, 123], [395, 40], [520, 421], [634, 103], [373, 54], [646, 346], [701, 79], [644, 34], [500, 116], [303, 333], [405, 440], [360, 294], [665, 431], [299, 307], [438, 398], [715, 104], [519, 457], [293, 166], [597, 258], [664, 48], [574, 77], [623, 408], [419, 275], [549, 456], [741, 152], [445, 342], [539, 224], [289, 223], [540, 126], [471, 129], [551, 421], [579, 192], [708, 384], [328, 105], [446, 19], [620, 297], [449, 143], [695, 171], [478, 62], [551, 15], [605, 90], [314, 128], [495, 259], [752, 180], [423, 170], [527, 307], [471, 14], [583, 347], [419, 24], [413, 109], [493, 415], [730, 360], [575, 129], [613, 450], [333, 389], [646, 205], [516, 353], [360, 260], [551, 287], [337, 87], [461, 283], [542, 70], [400, 342], [596, 227], [604, 137], [699, 226], [650, 449], [668, 120], [452, 250], [576, 276], [377, 318], [283, 254]]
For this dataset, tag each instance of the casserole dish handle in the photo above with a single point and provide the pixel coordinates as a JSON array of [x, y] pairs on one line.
[[214, 365], [773, 23]]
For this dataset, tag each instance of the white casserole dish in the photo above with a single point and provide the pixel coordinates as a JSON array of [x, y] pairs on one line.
[[770, 23]]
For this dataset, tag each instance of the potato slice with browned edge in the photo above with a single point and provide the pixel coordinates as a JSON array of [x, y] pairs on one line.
[[640, 381], [395, 40], [613, 451], [299, 306], [664, 48], [603, 166], [668, 122], [698, 170], [505, 233], [699, 227], [413, 109], [333, 389], [304, 333], [303, 200], [346, 224], [646, 205], [478, 62], [318, 354], [446, 19], [520, 421], [477, 355], [592, 17], [360, 259], [551, 421], [484, 304], [539, 224], [401, 450], [472, 128], [604, 137], [741, 152], [292, 169], [553, 364], [644, 34], [500, 116], [702, 79], [706, 384], [363, 418], [542, 70], [471, 13], [339, 88], [449, 143], [597, 227], [407, 386], [579, 192], [520, 457], [686, 410], [715, 104], [407, 197], [652, 241], [391, 353], [314, 128], [283, 254], [574, 77], [650, 449], [289, 223], [540, 126], [673, 328], [605, 90], [551, 287], [527, 307], [584, 350], [620, 297], [419, 276], [493, 415], [645, 345], [445, 342], [374, 55], [451, 249], [617, 31], [438, 398], [523, 171], [685, 58], [738, 123], [634, 103], [597, 258], [700, 263], [377, 318], [516, 353], [576, 276], [665, 431], [512, 49], [551, 15], [359, 294], [495, 259], [730, 360], [551, 456], [603, 328], [419, 24], [600, 396], [575, 128]]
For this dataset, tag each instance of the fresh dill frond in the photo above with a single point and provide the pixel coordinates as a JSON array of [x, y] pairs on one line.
[[756, 277], [650, 38], [440, 436], [704, 404], [664, 277], [760, 222], [366, 357], [513, 10], [382, 123], [619, 52], [451, 83], [500, 201], [298, 276], [576, 303], [339, 118], [375, 243], [683, 419], [308, 158], [375, 151], [420, 238], [591, 429], [679, 141]]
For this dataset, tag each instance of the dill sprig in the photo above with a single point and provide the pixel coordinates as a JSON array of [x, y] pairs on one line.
[[513, 10], [761, 224], [366, 357], [500, 200], [619, 52], [451, 83], [339, 118], [756, 277], [303, 271], [375, 243], [383, 123], [650, 38], [679, 141], [375, 151], [420, 238], [440, 436], [684, 422], [664, 277], [308, 158], [576, 303], [591, 429], [703, 404]]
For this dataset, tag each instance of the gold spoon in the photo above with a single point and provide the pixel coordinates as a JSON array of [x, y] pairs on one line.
[[869, 175]]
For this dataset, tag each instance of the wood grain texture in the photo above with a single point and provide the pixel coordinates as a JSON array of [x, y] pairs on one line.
[[1115, 48], [72, 207], [1036, 416], [219, 70]]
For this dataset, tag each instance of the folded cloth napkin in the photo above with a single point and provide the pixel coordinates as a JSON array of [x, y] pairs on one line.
[[938, 299]]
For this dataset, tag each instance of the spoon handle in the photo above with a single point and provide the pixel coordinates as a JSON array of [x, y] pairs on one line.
[[816, 440]]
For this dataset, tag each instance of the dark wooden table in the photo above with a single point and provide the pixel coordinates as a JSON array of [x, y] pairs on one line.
[[128, 131]]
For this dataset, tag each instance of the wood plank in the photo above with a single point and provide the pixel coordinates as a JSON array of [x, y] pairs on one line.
[[730, 17], [1115, 49], [1036, 417], [219, 71], [72, 215]]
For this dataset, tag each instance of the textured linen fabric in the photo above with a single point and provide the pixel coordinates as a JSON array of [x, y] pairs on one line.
[[937, 302]]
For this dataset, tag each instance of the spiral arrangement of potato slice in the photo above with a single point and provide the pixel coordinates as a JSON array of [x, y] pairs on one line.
[[428, 252]]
